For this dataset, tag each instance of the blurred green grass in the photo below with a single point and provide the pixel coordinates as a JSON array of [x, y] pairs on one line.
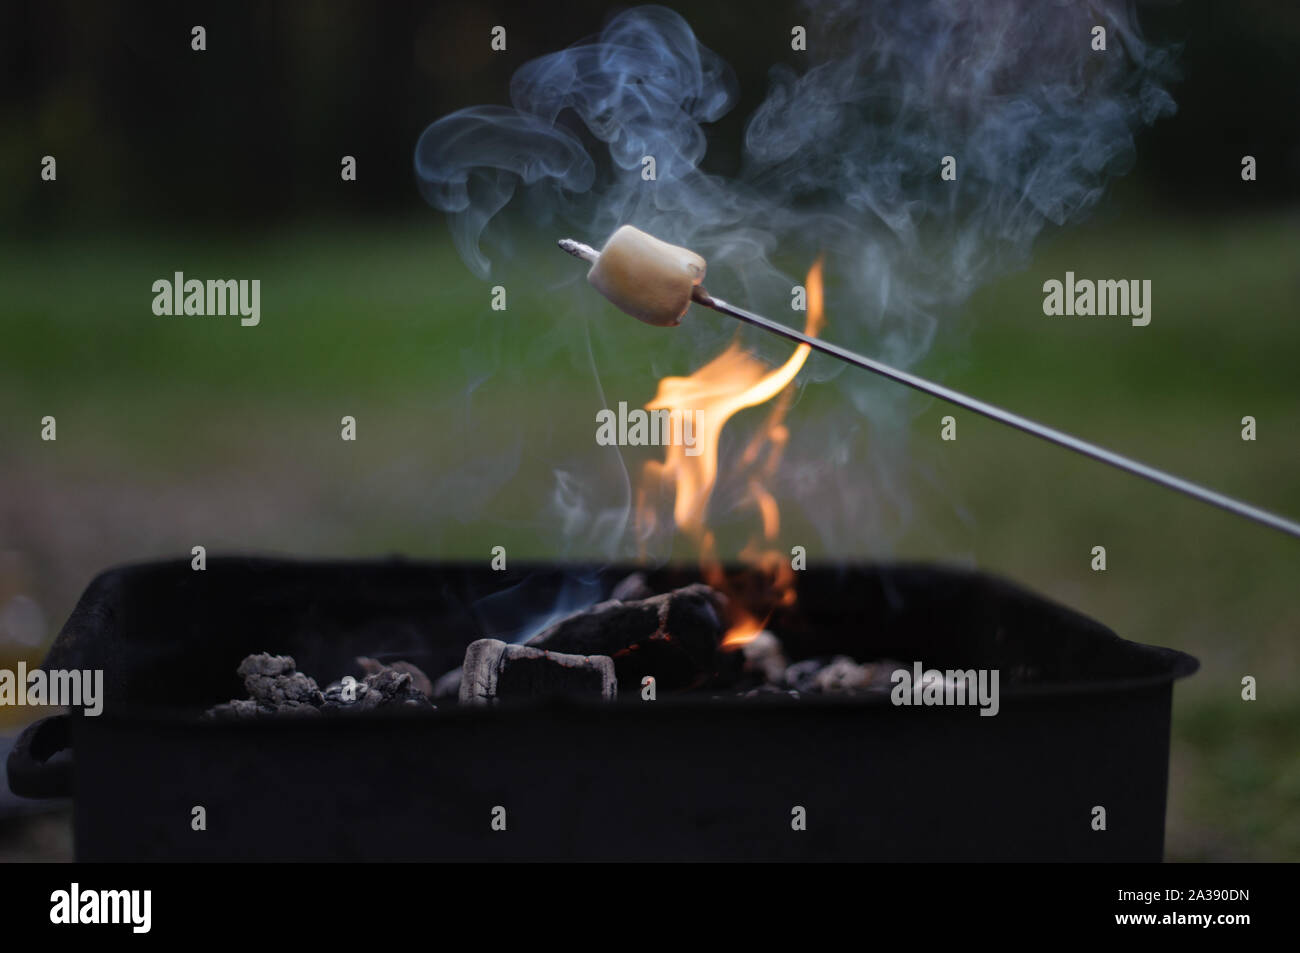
[[178, 430]]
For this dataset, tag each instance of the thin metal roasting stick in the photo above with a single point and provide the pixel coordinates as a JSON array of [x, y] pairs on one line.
[[1214, 498]]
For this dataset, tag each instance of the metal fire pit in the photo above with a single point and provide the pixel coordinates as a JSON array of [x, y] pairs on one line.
[[1084, 721]]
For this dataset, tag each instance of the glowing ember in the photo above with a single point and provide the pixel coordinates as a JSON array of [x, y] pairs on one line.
[[724, 386]]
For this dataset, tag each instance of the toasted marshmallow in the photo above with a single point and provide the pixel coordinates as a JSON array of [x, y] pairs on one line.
[[649, 279]]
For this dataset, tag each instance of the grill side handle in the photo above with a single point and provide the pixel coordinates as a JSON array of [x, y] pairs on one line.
[[31, 773]]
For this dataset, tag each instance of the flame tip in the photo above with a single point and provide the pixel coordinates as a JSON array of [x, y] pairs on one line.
[[717, 391]]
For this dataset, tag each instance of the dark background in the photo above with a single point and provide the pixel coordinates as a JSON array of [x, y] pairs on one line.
[[239, 136]]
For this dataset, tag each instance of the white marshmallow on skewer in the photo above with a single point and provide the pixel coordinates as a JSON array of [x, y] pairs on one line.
[[648, 278], [631, 285]]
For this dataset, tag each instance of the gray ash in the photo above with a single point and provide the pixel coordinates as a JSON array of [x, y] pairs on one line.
[[839, 675], [273, 682], [389, 687], [276, 688]]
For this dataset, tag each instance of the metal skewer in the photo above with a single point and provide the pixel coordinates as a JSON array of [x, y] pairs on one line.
[[1214, 498]]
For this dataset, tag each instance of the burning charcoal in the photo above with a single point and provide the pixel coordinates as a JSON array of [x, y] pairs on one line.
[[632, 588], [673, 637], [764, 656], [447, 687], [494, 670], [419, 680], [273, 682]]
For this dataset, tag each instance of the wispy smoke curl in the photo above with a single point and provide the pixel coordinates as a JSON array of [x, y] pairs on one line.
[[842, 157]]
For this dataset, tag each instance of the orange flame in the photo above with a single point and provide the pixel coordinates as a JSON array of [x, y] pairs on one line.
[[721, 388]]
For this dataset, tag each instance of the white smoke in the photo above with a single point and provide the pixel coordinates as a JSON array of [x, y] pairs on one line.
[[842, 157]]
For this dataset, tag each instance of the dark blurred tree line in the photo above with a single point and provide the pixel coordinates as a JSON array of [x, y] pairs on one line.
[[252, 130]]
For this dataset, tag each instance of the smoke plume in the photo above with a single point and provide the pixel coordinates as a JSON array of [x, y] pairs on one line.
[[842, 156]]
